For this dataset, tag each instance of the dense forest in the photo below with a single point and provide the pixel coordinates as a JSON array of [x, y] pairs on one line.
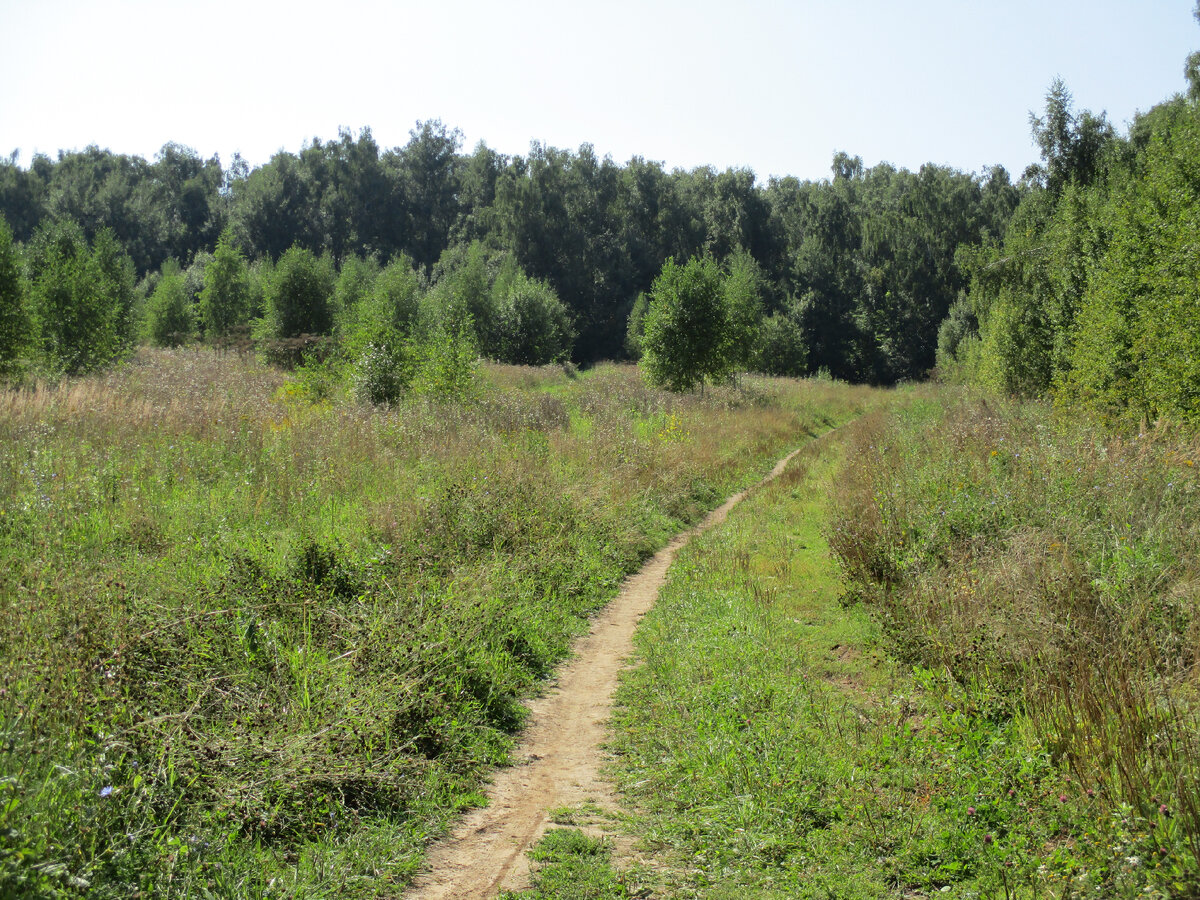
[[860, 268], [1039, 285]]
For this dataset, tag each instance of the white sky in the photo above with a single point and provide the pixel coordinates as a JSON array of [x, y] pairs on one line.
[[774, 86]]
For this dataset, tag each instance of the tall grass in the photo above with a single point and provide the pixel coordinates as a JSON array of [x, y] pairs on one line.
[[256, 644], [1054, 570]]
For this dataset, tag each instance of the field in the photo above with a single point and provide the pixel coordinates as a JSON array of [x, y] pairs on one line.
[[260, 641], [951, 653]]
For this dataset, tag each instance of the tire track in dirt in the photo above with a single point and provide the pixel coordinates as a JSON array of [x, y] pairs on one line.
[[559, 758]]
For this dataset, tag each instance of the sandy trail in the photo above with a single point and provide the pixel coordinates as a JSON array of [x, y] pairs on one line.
[[559, 758]]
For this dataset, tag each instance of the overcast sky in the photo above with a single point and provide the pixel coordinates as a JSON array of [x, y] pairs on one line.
[[774, 86]]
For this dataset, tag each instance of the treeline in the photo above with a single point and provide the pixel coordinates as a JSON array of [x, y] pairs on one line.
[[1093, 295], [854, 274]]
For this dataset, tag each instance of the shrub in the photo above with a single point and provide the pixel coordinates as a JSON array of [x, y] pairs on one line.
[[299, 293], [169, 320], [225, 297], [15, 326], [781, 347], [82, 298], [533, 326], [685, 340]]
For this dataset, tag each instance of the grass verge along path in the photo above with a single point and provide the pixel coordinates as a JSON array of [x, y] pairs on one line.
[[255, 641], [561, 747], [772, 746]]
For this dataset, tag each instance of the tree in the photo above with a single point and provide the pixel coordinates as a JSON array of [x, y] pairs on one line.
[[742, 288], [224, 299], [169, 321], [685, 340], [299, 294], [533, 327], [81, 300], [15, 326], [781, 348], [429, 177], [386, 315], [1072, 145], [463, 296]]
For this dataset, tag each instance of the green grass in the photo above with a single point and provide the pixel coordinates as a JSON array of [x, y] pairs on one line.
[[777, 739], [567, 864], [253, 644]]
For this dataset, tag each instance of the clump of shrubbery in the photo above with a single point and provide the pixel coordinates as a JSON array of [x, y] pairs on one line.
[[1052, 569]]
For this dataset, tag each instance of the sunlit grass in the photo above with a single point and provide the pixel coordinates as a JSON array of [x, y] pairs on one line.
[[1052, 569], [783, 736], [256, 644]]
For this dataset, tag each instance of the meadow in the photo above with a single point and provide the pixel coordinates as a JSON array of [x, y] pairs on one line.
[[259, 639], [951, 653]]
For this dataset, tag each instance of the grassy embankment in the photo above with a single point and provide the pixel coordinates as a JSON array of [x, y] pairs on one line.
[[1002, 704], [256, 645]]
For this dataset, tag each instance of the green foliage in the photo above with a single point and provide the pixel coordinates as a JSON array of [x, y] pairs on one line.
[[636, 327], [300, 293], [81, 298], [509, 316], [462, 296], [169, 318], [533, 327], [1072, 145], [742, 286], [383, 372], [1137, 352], [15, 326], [781, 347], [1092, 295], [871, 252], [959, 326], [446, 364], [395, 297], [685, 342], [1047, 568], [225, 297]]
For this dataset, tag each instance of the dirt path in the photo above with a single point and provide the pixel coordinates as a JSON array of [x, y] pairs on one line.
[[560, 752]]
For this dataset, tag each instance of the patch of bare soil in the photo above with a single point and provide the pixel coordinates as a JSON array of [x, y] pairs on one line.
[[560, 756]]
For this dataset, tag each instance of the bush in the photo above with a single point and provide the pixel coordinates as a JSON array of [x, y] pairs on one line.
[[225, 297], [383, 373], [685, 341], [533, 326], [299, 294], [299, 313], [82, 298], [15, 325], [462, 295], [169, 320], [782, 349]]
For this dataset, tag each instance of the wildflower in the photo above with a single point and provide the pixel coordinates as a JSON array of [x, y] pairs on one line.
[[106, 791], [970, 810], [1062, 798], [987, 839]]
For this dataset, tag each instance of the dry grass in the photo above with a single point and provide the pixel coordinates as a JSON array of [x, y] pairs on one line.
[[1057, 565], [255, 644]]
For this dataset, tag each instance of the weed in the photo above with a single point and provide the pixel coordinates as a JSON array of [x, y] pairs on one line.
[[258, 638]]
